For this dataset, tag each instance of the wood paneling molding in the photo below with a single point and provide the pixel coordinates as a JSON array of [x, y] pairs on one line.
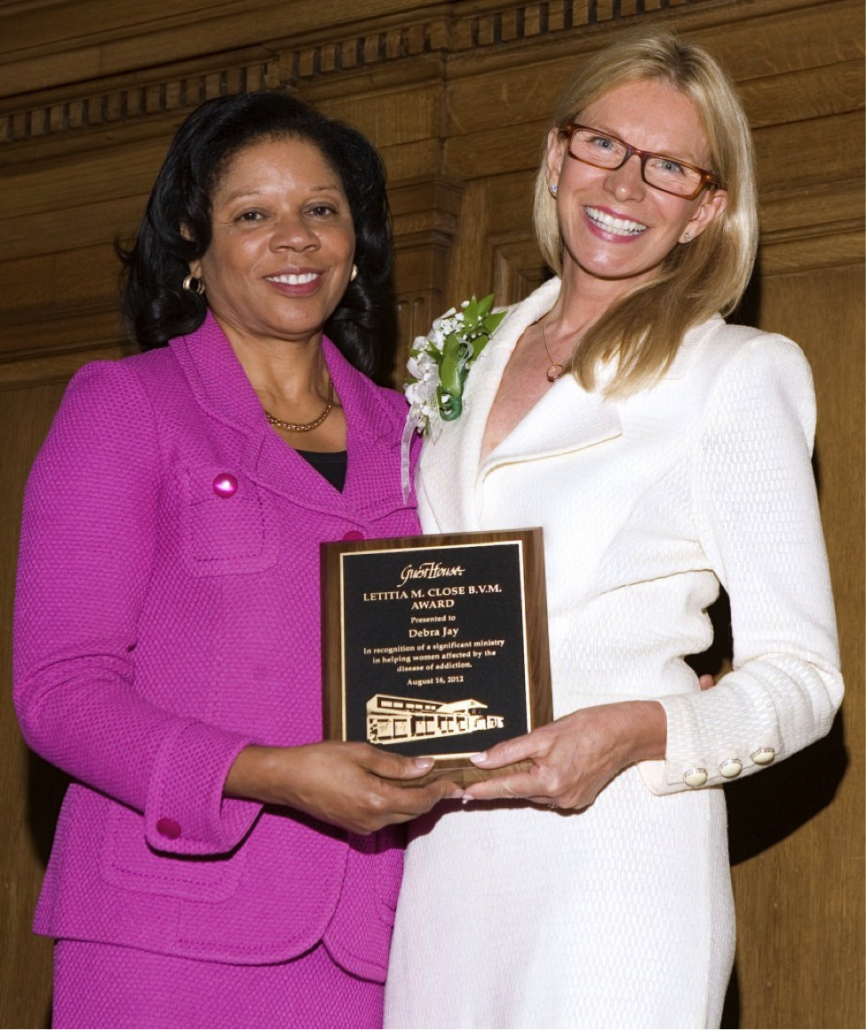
[[828, 246], [425, 205], [425, 213], [518, 268], [46, 44], [130, 101], [454, 28]]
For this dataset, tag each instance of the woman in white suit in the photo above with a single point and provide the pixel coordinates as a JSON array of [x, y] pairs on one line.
[[663, 452]]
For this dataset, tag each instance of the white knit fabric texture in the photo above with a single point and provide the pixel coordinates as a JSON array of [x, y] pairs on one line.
[[621, 916]]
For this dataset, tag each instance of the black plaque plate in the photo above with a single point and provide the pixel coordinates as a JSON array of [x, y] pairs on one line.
[[435, 645]]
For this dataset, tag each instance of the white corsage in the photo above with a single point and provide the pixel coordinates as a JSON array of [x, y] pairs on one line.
[[438, 365]]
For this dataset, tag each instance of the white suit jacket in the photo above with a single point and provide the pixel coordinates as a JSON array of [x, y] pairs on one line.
[[646, 505]]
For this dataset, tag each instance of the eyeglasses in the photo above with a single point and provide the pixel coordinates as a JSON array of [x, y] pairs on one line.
[[668, 174]]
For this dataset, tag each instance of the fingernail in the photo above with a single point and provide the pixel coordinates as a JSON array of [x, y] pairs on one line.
[[479, 758], [458, 793], [423, 763], [467, 798]]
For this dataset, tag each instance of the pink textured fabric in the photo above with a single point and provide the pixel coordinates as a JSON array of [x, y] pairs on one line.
[[164, 621], [103, 985]]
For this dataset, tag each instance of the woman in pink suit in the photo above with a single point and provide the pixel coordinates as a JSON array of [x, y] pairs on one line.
[[216, 864]]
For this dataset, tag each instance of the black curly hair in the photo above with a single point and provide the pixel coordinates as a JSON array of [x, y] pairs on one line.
[[154, 304]]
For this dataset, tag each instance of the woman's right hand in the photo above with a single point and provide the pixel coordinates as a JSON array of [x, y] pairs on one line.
[[344, 784]]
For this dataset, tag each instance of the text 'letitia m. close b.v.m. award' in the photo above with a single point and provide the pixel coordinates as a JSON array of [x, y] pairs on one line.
[[436, 645]]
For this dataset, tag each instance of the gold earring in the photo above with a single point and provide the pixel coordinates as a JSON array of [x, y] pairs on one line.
[[199, 284], [354, 274]]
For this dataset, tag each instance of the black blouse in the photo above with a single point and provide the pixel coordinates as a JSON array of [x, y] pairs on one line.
[[331, 464]]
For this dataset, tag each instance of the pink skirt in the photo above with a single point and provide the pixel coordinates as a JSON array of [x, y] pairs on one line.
[[104, 985]]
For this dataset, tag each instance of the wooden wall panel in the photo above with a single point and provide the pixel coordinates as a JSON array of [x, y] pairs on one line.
[[456, 94], [798, 838], [30, 789], [67, 41]]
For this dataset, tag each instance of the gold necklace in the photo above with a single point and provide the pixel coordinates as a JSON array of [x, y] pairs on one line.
[[304, 427], [555, 370]]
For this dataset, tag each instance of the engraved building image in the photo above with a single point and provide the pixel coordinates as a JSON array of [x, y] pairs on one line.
[[392, 720]]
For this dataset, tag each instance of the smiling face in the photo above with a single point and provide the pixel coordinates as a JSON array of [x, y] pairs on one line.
[[282, 247], [615, 228]]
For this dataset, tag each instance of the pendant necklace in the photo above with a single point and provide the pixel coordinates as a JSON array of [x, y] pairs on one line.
[[556, 369]]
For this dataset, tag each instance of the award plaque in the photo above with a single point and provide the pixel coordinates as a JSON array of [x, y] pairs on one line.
[[436, 645]]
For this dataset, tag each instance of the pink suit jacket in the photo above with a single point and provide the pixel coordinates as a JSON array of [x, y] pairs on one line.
[[162, 625]]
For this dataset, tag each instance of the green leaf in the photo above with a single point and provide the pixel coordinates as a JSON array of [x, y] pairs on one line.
[[478, 345], [449, 369], [484, 305], [491, 322]]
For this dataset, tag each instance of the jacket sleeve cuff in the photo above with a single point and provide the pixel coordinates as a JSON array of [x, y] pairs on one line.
[[653, 775], [712, 741], [186, 813]]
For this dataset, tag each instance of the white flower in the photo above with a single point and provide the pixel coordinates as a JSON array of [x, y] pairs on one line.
[[455, 340], [422, 366]]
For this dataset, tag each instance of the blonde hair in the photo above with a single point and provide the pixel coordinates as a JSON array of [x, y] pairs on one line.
[[643, 330]]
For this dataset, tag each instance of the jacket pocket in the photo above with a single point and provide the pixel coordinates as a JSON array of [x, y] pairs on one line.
[[228, 526], [129, 862]]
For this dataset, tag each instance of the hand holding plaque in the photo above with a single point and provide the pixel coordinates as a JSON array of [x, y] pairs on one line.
[[436, 645]]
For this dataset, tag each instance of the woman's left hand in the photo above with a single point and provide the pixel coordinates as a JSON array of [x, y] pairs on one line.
[[575, 757]]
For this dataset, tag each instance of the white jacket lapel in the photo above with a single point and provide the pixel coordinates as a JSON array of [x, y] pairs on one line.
[[449, 465], [566, 418]]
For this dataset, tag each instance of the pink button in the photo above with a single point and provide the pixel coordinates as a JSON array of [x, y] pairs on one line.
[[169, 828], [354, 534], [225, 485]]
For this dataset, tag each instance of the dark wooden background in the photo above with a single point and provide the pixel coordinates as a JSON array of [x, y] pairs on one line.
[[456, 95]]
